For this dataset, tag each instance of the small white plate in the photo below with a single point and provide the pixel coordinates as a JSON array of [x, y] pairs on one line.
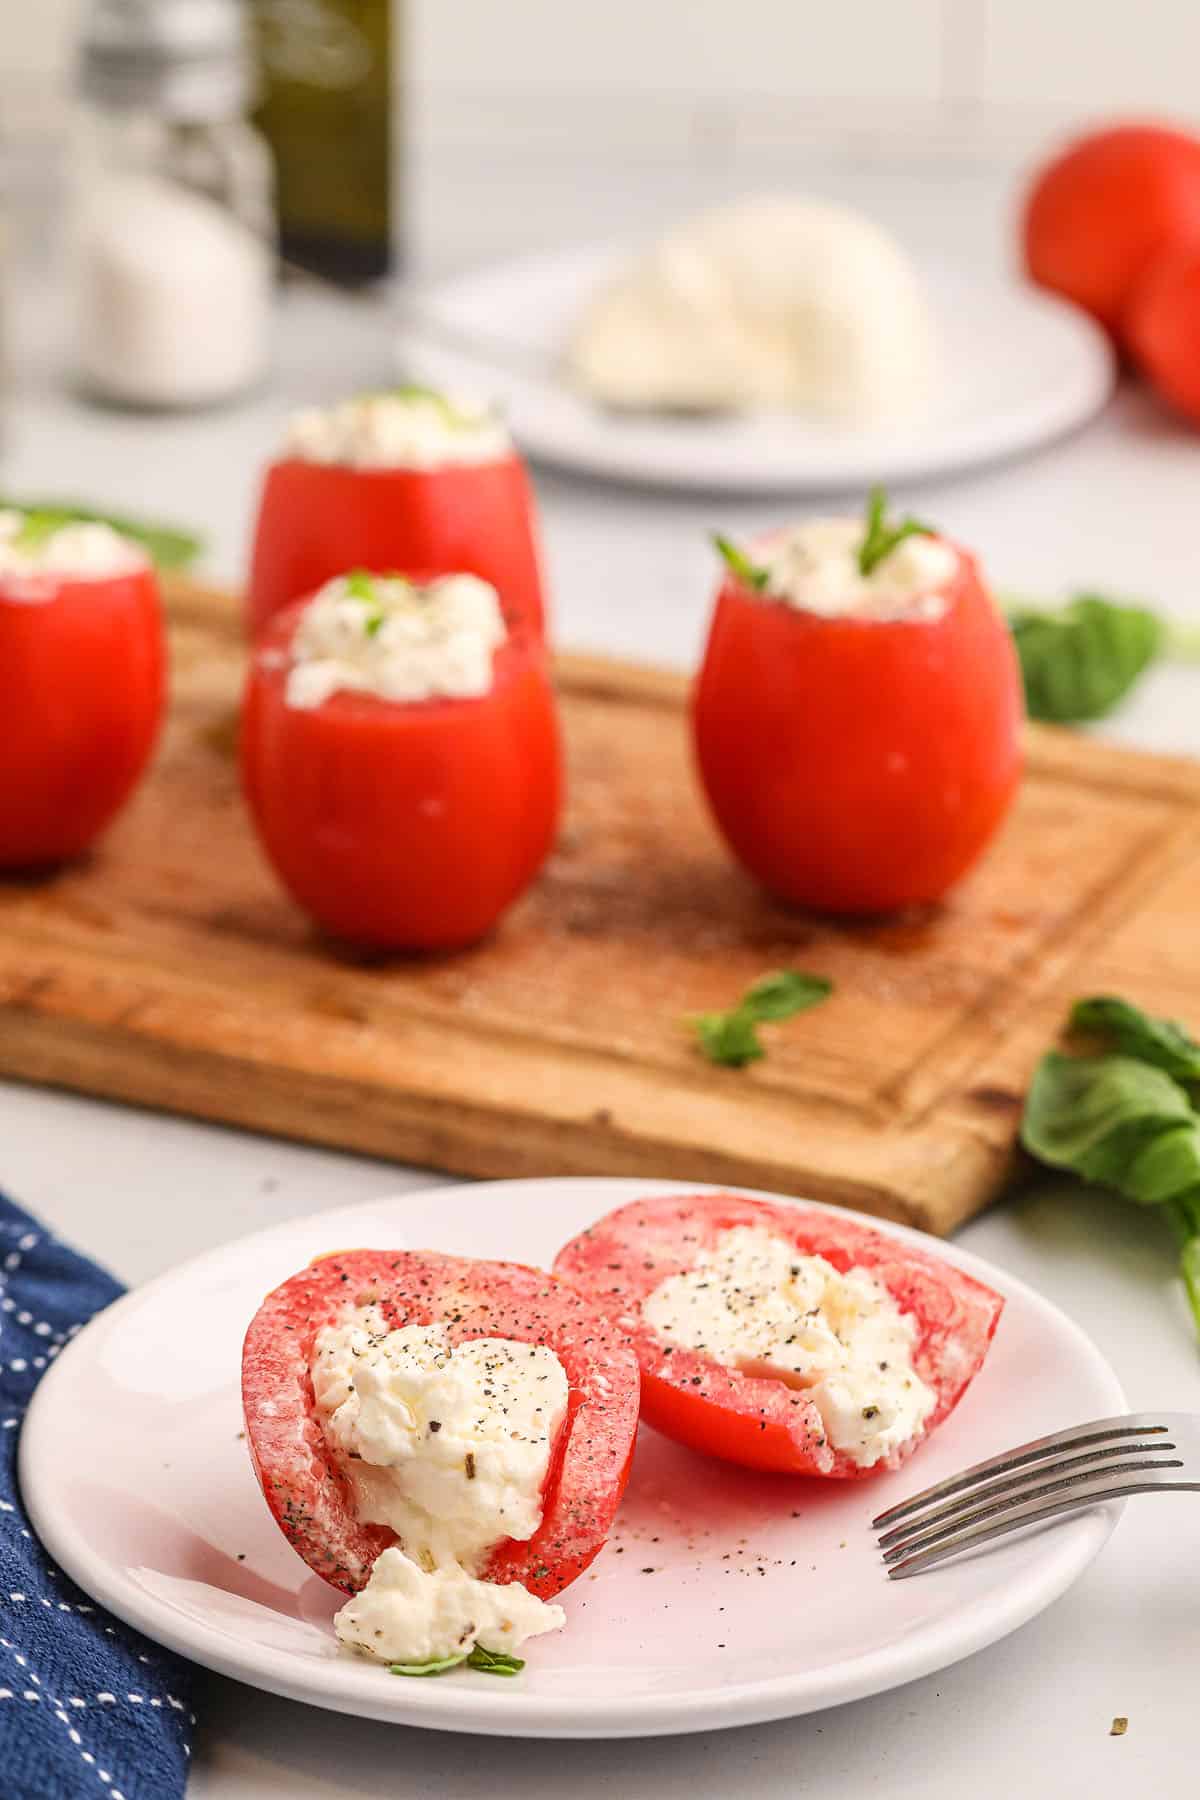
[[722, 1598], [1019, 368]]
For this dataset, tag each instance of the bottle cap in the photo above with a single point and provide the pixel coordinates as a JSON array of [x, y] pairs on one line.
[[182, 59]]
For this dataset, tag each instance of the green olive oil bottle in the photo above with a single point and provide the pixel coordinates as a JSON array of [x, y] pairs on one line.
[[330, 108]]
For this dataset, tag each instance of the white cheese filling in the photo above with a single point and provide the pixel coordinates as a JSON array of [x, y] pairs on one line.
[[814, 567], [754, 1303], [404, 428], [450, 1448], [85, 550], [381, 634], [410, 1615]]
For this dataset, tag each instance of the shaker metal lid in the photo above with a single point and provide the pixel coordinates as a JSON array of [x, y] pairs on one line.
[[186, 59]]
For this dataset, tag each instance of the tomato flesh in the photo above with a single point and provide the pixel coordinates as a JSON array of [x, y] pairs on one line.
[[856, 765], [82, 690], [760, 1421], [303, 1485], [403, 826], [319, 520]]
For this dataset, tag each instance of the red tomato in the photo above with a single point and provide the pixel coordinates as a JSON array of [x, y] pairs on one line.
[[1163, 322], [82, 684], [760, 1421], [317, 520], [855, 765], [313, 1504], [1098, 213], [403, 826]]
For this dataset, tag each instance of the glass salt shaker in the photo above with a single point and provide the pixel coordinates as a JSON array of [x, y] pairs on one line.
[[172, 236]]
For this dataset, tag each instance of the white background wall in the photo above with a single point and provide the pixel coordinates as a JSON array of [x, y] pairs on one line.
[[1085, 55]]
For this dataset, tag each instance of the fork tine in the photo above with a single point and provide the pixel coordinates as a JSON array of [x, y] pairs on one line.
[[1099, 1489], [966, 1517], [1024, 1482], [1099, 1431]]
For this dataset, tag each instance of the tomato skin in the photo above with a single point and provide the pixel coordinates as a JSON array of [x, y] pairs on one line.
[[1164, 328], [761, 1422], [403, 826], [318, 520], [858, 766], [1098, 213], [82, 691], [301, 1482]]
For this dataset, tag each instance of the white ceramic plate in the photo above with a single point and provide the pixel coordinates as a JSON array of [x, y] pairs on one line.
[[1020, 368], [722, 1598]]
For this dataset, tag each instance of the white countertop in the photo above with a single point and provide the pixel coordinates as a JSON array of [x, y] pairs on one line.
[[1114, 507]]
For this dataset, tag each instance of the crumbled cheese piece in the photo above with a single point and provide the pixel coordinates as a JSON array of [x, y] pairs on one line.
[[387, 636], [815, 568], [407, 1614], [84, 550], [407, 428], [754, 1303]]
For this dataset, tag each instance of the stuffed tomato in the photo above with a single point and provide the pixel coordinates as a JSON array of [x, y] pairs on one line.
[[401, 759], [857, 719], [444, 1439], [783, 1337], [403, 480], [82, 682]]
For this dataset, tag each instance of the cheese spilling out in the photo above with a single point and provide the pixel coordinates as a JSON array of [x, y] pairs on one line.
[[450, 1447]]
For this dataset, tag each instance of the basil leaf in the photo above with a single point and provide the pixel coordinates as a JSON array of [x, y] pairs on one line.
[[728, 1038], [495, 1662], [1135, 1033], [880, 538], [437, 1666], [359, 585], [731, 1038], [1080, 662], [1125, 1120], [1095, 1115], [168, 546], [749, 573], [784, 993]]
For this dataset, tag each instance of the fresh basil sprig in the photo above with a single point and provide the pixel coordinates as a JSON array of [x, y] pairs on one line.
[[1126, 1118], [749, 573], [437, 1666], [731, 1038], [1080, 661], [167, 545], [488, 1662], [880, 538]]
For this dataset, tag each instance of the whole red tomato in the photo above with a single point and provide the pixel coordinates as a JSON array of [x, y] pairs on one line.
[[1164, 327], [1097, 214], [82, 687], [317, 520], [858, 765], [403, 826]]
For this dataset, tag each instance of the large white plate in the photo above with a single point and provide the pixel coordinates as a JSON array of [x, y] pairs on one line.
[[723, 1597], [1019, 368]]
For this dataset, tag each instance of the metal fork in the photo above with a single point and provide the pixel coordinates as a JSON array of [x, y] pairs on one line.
[[1138, 1453]]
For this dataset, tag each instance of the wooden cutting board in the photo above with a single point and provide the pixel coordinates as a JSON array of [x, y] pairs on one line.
[[170, 970]]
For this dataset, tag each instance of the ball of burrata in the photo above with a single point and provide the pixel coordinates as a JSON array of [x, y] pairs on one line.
[[769, 304]]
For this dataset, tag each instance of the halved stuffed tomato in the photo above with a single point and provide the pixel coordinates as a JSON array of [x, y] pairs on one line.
[[784, 1337], [304, 1479]]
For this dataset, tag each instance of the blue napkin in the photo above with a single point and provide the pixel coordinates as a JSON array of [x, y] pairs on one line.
[[88, 1707]]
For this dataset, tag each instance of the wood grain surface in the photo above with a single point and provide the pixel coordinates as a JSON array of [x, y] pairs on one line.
[[170, 970]]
